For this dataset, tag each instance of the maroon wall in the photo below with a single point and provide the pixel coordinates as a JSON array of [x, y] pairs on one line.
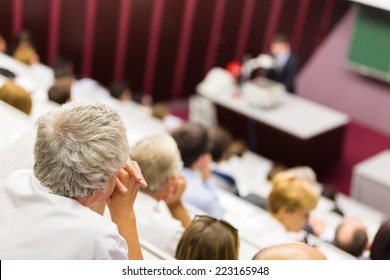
[[165, 46]]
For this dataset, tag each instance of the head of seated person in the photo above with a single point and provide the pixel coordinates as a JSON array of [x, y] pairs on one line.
[[208, 239], [290, 251], [24, 49], [79, 150], [3, 44], [291, 200], [160, 111], [16, 96], [60, 91], [351, 236], [219, 139], [193, 143], [160, 162], [63, 67], [120, 90], [380, 247], [236, 148]]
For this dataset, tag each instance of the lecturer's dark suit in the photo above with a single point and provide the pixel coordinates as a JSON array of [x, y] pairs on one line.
[[285, 75]]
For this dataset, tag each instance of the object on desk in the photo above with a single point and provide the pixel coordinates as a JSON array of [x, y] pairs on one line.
[[262, 93], [263, 61], [216, 81]]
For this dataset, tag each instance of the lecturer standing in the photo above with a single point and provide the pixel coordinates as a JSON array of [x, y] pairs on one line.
[[286, 63]]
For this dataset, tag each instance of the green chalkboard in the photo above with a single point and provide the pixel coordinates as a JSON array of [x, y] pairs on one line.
[[369, 51]]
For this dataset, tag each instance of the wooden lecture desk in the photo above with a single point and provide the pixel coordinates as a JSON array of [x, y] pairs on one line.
[[295, 132]]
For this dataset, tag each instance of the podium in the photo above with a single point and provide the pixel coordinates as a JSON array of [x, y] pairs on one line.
[[296, 131]]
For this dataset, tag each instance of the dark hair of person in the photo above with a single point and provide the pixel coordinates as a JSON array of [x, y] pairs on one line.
[[219, 139], [356, 245], [117, 88], [380, 248], [192, 140], [281, 38]]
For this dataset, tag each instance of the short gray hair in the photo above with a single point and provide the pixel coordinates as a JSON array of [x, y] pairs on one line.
[[158, 157], [79, 148]]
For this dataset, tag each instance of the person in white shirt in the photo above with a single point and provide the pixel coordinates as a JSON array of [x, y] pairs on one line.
[[161, 217], [81, 160], [201, 192]]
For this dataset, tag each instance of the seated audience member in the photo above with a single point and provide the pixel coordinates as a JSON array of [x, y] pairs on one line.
[[24, 50], [192, 141], [351, 236], [303, 172], [162, 112], [63, 67], [380, 247], [291, 200], [160, 162], [81, 159], [220, 140], [223, 148], [60, 91], [289, 204], [15, 96], [121, 90], [208, 239], [289, 251], [3, 44]]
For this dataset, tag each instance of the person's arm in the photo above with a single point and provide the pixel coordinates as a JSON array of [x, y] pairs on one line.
[[121, 206], [174, 200]]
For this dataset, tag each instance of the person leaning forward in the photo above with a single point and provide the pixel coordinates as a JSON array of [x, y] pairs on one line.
[[81, 160]]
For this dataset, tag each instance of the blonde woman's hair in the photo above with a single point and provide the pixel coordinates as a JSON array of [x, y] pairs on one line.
[[79, 148], [291, 192], [158, 157], [16, 96]]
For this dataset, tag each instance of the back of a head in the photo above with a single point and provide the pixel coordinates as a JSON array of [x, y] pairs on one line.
[[208, 239], [16, 96], [280, 38], [160, 111], [79, 148], [192, 141], [351, 236], [63, 67], [290, 251], [60, 91], [380, 247], [291, 192], [158, 157], [3, 44], [117, 89], [219, 140]]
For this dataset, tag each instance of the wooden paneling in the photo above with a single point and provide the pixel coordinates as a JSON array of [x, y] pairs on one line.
[[168, 48], [72, 31], [152, 55], [137, 44], [105, 42], [229, 33], [36, 20], [6, 19], [198, 46]]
